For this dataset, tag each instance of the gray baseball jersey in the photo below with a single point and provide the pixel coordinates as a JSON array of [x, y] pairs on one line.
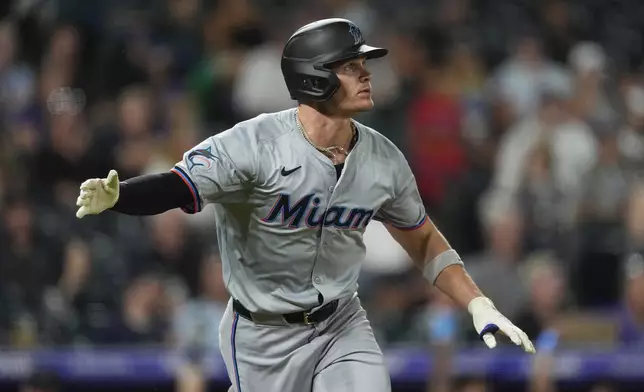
[[288, 228]]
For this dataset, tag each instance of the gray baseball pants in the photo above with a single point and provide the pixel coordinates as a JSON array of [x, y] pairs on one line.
[[338, 355]]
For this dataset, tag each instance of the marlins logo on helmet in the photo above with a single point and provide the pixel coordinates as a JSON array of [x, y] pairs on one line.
[[356, 33]]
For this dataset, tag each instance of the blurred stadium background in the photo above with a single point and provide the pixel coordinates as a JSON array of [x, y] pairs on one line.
[[523, 121]]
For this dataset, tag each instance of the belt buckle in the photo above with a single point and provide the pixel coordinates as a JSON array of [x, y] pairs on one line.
[[307, 321]]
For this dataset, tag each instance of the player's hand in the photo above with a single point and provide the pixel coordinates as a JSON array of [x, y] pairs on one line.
[[488, 321], [98, 194]]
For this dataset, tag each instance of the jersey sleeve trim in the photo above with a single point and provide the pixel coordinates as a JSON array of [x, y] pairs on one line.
[[196, 207], [414, 227]]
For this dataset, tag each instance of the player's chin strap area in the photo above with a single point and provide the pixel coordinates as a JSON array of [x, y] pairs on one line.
[[306, 318]]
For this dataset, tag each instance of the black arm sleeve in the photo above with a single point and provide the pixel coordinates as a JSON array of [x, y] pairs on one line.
[[152, 194]]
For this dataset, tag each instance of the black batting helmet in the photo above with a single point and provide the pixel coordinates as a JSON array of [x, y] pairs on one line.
[[309, 52]]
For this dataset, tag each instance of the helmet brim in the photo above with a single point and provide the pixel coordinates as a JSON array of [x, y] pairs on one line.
[[367, 51], [372, 52]]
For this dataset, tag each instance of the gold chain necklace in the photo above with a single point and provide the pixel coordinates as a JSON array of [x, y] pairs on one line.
[[328, 151]]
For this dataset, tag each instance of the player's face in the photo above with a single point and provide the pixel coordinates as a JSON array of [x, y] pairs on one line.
[[354, 94]]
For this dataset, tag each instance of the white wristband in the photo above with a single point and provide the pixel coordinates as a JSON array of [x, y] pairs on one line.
[[439, 263]]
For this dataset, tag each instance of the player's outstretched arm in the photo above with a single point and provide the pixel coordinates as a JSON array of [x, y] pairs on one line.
[[217, 170], [442, 266], [144, 195]]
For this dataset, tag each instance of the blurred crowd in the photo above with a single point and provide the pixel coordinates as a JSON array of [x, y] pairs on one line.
[[523, 122]]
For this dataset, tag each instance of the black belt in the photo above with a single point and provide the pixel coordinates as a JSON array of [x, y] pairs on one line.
[[307, 317]]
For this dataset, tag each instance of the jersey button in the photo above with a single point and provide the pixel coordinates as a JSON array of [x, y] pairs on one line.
[[317, 280], [331, 189]]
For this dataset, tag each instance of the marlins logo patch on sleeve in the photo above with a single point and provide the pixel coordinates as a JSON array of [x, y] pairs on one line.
[[201, 157]]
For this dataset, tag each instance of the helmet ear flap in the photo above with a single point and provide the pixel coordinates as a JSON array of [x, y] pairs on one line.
[[313, 84]]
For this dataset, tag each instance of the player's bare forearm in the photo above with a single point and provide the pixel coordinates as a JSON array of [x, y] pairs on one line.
[[424, 245], [442, 266], [458, 285]]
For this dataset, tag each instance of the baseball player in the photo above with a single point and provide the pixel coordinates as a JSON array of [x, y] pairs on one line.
[[293, 192]]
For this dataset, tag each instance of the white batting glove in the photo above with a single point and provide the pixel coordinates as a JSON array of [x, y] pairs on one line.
[[98, 194], [488, 321]]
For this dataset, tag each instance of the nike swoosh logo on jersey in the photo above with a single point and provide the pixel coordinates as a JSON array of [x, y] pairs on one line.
[[289, 172]]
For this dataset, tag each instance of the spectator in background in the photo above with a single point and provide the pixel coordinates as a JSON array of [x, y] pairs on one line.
[[174, 250], [359, 11], [179, 35], [592, 87], [541, 201], [541, 378], [460, 202], [196, 325], [61, 62], [437, 153], [128, 52], [144, 316], [442, 322], [517, 83], [256, 88], [30, 262], [631, 320], [183, 131], [136, 138], [409, 53], [59, 165], [17, 80], [545, 281], [631, 133], [65, 301], [226, 38], [572, 144], [51, 95], [496, 269], [559, 31], [54, 131], [22, 140], [601, 229], [196, 322], [19, 132], [389, 286], [466, 69]]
